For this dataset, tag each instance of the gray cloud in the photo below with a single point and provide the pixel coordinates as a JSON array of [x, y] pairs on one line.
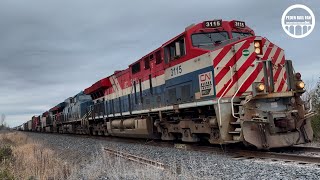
[[50, 50]]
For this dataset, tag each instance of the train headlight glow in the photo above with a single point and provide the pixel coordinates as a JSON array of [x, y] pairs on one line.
[[260, 87], [300, 84], [257, 50], [256, 44]]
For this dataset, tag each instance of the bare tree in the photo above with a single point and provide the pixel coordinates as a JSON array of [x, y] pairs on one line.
[[316, 97], [312, 94], [3, 118], [310, 89]]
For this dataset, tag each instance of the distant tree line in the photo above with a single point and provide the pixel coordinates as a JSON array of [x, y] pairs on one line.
[[314, 95]]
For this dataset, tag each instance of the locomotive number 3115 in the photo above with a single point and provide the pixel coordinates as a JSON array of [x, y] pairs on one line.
[[176, 71]]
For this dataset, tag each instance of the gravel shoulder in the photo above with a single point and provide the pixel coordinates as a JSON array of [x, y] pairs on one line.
[[193, 165]]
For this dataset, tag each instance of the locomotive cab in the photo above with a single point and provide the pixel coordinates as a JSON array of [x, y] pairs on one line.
[[217, 33], [253, 80]]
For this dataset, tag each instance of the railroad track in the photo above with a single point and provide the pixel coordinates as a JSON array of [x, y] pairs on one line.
[[233, 153], [286, 155], [138, 159], [305, 149], [275, 156], [145, 161]]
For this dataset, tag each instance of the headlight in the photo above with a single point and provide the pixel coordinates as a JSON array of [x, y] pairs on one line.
[[260, 87], [257, 50], [300, 84], [256, 44]]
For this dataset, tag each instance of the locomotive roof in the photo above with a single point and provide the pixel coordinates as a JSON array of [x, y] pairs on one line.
[[225, 25], [103, 83]]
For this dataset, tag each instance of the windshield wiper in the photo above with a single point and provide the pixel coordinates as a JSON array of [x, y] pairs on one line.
[[217, 42]]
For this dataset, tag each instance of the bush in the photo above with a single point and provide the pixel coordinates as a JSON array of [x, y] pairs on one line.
[[5, 175], [316, 127], [5, 152], [315, 95]]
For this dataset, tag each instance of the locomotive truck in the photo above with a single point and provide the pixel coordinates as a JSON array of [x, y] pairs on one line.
[[217, 81]]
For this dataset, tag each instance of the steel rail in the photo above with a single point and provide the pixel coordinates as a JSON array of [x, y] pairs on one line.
[[274, 156], [305, 148], [138, 159], [237, 153]]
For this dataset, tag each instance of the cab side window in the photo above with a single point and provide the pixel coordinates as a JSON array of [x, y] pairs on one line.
[[136, 68], [146, 63], [175, 50], [158, 57]]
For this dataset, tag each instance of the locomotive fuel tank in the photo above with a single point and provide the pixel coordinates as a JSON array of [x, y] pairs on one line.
[[134, 127]]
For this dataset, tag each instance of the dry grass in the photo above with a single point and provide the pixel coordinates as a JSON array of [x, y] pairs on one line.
[[117, 168], [105, 165], [31, 160]]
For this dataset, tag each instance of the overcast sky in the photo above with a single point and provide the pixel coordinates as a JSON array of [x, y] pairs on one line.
[[50, 50]]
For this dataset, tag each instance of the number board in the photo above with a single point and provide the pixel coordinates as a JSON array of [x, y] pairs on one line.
[[212, 24], [239, 24]]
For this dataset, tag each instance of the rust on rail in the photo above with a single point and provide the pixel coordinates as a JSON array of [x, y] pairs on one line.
[[135, 158]]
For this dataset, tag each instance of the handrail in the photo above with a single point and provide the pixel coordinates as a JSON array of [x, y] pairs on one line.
[[232, 107], [84, 117], [223, 93]]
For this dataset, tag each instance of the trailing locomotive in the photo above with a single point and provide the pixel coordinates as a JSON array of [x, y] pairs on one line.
[[216, 81]]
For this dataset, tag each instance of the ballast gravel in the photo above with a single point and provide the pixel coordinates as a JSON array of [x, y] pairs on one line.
[[96, 164]]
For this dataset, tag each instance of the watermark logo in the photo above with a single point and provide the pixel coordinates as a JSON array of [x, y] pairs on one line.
[[298, 21]]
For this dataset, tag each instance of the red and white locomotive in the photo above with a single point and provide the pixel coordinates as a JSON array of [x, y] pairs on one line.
[[217, 81]]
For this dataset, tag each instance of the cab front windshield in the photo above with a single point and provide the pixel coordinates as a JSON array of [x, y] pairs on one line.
[[240, 34], [210, 40]]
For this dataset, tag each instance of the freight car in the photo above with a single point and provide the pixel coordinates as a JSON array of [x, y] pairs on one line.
[[29, 125], [217, 81], [36, 126], [44, 122]]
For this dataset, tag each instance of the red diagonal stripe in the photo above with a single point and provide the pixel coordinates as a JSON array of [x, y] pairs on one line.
[[223, 88], [239, 73], [277, 75], [268, 51], [281, 85], [251, 79], [266, 56], [231, 62], [279, 68], [276, 55], [263, 41], [221, 55], [245, 66]]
